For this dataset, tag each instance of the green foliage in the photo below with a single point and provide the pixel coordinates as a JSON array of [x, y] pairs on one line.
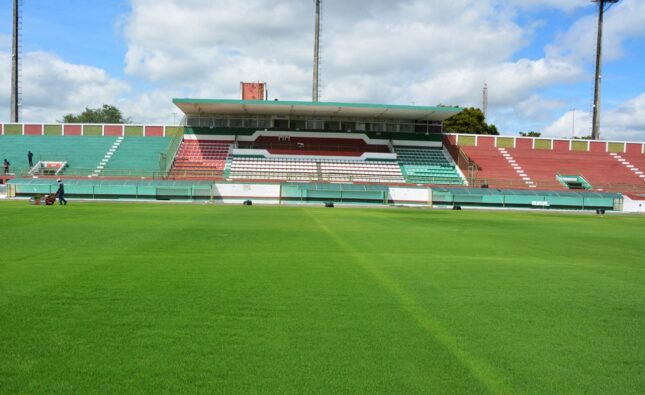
[[470, 120], [530, 134], [105, 114], [583, 137], [135, 298]]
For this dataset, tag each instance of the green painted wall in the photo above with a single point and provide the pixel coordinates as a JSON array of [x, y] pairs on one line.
[[174, 130], [505, 142], [542, 144], [616, 147], [92, 130], [466, 141], [53, 130], [12, 129], [579, 146], [133, 131]]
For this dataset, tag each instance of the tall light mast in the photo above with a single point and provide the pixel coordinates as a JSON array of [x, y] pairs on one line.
[[314, 93], [603, 5], [15, 62]]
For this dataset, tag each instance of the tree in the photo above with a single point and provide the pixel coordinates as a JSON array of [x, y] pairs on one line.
[[583, 137], [105, 114], [471, 120], [530, 134]]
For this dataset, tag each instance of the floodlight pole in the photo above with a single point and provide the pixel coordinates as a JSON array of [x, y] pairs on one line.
[[595, 128], [314, 93], [15, 50]]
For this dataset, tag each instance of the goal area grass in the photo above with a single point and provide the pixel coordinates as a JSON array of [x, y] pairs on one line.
[[130, 298]]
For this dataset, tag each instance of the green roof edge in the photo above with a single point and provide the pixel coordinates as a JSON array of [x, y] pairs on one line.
[[311, 104]]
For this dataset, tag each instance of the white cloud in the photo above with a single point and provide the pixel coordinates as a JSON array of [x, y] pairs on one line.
[[53, 87], [565, 5], [623, 21], [509, 83], [420, 51], [206, 47], [625, 122]]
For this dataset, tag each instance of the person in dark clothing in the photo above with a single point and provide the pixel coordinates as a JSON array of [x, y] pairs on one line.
[[6, 166], [61, 192], [30, 157]]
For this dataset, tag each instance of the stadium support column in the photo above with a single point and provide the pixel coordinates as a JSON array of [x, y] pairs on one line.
[[15, 51], [314, 93]]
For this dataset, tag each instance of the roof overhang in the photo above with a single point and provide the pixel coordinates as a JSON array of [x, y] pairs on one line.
[[204, 107]]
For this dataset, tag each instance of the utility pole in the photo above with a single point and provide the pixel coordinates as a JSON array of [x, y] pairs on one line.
[[314, 93], [573, 123], [595, 127], [15, 53]]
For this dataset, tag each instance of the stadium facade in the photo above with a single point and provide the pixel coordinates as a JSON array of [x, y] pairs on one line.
[[292, 151]]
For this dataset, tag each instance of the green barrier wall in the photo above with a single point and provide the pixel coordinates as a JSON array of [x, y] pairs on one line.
[[340, 193], [525, 199]]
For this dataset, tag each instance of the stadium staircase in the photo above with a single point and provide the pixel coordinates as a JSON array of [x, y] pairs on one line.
[[633, 163], [107, 157], [137, 156], [420, 165]]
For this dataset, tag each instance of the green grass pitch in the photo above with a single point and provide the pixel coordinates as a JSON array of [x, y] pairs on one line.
[[123, 298]]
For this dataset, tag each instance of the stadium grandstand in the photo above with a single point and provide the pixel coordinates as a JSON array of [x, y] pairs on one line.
[[264, 150]]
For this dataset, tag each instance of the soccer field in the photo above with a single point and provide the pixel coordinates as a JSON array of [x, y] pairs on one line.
[[122, 298]]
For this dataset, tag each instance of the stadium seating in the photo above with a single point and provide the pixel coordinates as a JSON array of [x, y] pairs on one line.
[[422, 165], [197, 158], [523, 165], [303, 169], [137, 155], [82, 154], [313, 146], [493, 168], [598, 168]]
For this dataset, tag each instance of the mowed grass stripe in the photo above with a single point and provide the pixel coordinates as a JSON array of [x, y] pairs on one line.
[[482, 373], [199, 298]]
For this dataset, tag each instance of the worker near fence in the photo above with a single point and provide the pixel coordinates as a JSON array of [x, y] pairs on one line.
[[6, 164], [61, 192], [30, 158]]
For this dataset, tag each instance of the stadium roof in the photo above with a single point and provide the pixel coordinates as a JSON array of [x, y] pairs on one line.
[[323, 109]]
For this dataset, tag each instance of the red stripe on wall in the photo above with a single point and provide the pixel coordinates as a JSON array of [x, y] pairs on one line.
[[597, 146], [561, 145], [485, 141], [153, 131], [113, 130], [524, 143], [33, 130], [634, 148], [72, 130]]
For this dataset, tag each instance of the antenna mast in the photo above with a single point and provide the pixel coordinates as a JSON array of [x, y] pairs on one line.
[[314, 93], [485, 101], [595, 128], [15, 63]]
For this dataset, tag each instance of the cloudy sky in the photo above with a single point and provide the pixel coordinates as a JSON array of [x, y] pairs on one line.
[[536, 56]]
